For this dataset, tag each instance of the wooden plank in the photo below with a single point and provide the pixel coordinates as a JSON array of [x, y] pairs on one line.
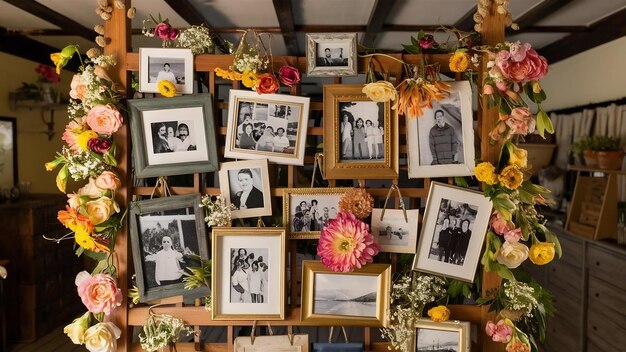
[[539, 12], [376, 22], [284, 13]]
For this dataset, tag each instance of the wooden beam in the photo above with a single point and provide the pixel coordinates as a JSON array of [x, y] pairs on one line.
[[608, 29], [466, 23], [284, 13], [376, 22], [189, 13], [539, 12], [22, 46], [49, 15]]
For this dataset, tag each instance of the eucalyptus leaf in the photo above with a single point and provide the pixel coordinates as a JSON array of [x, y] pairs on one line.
[[460, 181]]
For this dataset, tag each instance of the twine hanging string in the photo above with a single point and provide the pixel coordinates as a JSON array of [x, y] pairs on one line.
[[269, 327], [402, 206], [161, 182], [259, 222], [330, 334], [318, 161]]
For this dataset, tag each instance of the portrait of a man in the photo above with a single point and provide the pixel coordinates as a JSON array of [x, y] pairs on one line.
[[444, 144]]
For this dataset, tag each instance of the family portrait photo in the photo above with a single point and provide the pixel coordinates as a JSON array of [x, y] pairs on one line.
[[245, 185], [346, 295], [308, 211], [172, 136], [165, 64], [394, 233], [249, 275], [453, 232], [166, 68], [362, 132]]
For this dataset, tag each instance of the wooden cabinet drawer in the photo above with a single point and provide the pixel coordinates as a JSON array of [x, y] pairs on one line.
[[565, 278], [561, 336], [572, 251], [568, 306], [601, 327], [610, 299], [598, 346], [607, 265]]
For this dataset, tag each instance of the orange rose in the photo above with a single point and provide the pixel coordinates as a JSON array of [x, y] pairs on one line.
[[267, 83]]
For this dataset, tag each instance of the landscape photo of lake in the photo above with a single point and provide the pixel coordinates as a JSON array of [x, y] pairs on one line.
[[341, 294], [431, 340]]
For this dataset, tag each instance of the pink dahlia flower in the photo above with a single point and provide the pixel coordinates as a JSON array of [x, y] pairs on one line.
[[346, 243]]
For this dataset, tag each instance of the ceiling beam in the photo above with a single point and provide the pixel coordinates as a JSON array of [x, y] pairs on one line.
[[189, 13], [19, 45], [539, 12], [466, 23], [49, 15], [284, 13], [608, 29], [378, 17]]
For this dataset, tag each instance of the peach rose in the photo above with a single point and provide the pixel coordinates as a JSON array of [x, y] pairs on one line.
[[73, 200], [104, 119], [512, 255], [78, 89], [499, 225], [521, 121], [513, 236], [100, 210], [90, 189], [99, 292], [102, 337], [101, 73], [108, 180]]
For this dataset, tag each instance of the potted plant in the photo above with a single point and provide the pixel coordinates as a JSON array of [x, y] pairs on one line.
[[585, 148], [578, 148], [610, 152]]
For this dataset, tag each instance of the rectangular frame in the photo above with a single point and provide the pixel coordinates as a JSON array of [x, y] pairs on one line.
[[151, 156], [459, 102], [459, 204], [392, 217], [382, 272], [165, 56], [8, 156], [225, 187], [463, 328], [335, 94], [239, 97], [164, 205], [339, 66], [240, 237], [288, 192]]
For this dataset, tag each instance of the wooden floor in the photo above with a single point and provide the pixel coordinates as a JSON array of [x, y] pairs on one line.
[[55, 341]]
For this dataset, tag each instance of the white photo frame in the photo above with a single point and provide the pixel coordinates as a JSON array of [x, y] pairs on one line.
[[153, 64], [424, 137], [236, 177], [331, 54], [266, 114], [440, 251], [393, 233], [453, 334]]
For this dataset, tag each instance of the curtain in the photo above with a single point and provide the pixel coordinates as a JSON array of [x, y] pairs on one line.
[[569, 128]]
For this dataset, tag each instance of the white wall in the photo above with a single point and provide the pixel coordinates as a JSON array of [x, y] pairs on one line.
[[592, 76]]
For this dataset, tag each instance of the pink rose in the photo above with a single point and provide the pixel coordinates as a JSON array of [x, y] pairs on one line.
[[501, 85], [487, 89], [108, 180], [498, 224], [502, 56], [490, 328], [532, 67], [521, 121], [104, 119], [538, 65], [99, 293], [99, 146], [502, 333], [78, 89], [165, 31], [289, 76], [518, 51], [427, 41], [514, 235]]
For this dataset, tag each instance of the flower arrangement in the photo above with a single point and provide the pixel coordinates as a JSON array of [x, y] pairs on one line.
[[358, 202], [159, 28], [162, 330], [217, 212], [196, 38]]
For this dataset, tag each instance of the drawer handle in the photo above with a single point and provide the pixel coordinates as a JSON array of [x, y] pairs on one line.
[[597, 294], [597, 263], [594, 328]]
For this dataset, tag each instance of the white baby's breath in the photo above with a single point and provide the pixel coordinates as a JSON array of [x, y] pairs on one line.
[[217, 213], [196, 38]]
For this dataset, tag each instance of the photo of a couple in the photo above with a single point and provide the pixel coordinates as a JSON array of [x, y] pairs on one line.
[[172, 136]]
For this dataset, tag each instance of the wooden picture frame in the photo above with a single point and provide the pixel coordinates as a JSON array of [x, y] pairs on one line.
[[324, 198], [356, 286], [247, 173], [155, 157], [236, 247], [175, 65], [453, 334], [8, 152], [370, 153], [331, 54], [151, 222], [266, 115], [453, 230]]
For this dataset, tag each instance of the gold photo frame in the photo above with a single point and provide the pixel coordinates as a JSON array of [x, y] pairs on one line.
[[357, 289], [259, 296], [455, 334], [360, 135], [319, 203]]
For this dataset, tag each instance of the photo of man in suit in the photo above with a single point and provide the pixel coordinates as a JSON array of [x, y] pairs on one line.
[[328, 59], [248, 196]]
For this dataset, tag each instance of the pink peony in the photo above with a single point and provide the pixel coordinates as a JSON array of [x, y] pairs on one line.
[[108, 180], [99, 292], [289, 76], [498, 224], [165, 31], [539, 65], [521, 121], [346, 243], [531, 67], [500, 332], [104, 119], [513, 236], [99, 146]]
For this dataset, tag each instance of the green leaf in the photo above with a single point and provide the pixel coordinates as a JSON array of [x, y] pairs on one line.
[[551, 237], [103, 264], [411, 49], [528, 89], [460, 181], [504, 272], [420, 34], [540, 97], [415, 41], [544, 124], [79, 251]]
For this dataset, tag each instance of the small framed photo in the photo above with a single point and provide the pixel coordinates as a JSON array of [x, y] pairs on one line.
[[246, 185], [8, 152], [308, 210], [453, 336], [174, 65], [248, 273], [441, 142], [331, 54], [268, 126], [359, 298], [393, 233], [360, 135], [453, 229], [173, 136], [163, 233]]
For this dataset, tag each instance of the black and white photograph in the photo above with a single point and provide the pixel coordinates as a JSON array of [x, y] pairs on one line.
[[353, 295], [331, 54], [441, 141], [431, 340], [362, 131], [249, 275], [271, 126], [173, 136], [245, 185], [453, 229], [394, 233], [169, 64], [308, 211]]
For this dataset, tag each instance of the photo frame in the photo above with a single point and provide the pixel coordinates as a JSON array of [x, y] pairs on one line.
[[393, 233], [157, 128], [441, 142], [174, 65], [364, 295], [249, 181], [453, 230], [255, 123], [8, 152], [360, 135], [319, 203], [236, 253], [331, 54], [158, 228], [448, 335]]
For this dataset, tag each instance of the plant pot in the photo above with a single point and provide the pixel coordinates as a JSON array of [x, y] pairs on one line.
[[610, 160], [591, 158]]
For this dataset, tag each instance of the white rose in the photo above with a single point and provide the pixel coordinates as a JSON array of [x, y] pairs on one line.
[[76, 330], [512, 255], [102, 337]]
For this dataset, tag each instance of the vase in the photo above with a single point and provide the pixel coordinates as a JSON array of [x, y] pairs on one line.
[[591, 158], [48, 93], [610, 160]]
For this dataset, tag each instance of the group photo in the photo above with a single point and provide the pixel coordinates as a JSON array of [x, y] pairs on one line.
[[362, 131], [172, 136], [455, 221], [249, 275], [312, 213]]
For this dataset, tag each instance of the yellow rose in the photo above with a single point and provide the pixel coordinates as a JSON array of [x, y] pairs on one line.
[[512, 255], [381, 92], [541, 253], [76, 330], [439, 313], [84, 138], [459, 61], [485, 172], [102, 337], [100, 210], [518, 157], [511, 177]]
